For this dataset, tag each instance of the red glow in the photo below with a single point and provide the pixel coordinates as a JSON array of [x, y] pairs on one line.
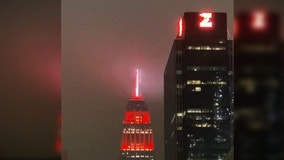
[[206, 21], [137, 138], [134, 117], [236, 28], [58, 143], [180, 27], [137, 147], [259, 20], [136, 95]]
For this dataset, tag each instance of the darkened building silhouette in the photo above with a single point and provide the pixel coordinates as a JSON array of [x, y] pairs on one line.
[[198, 89], [258, 86], [137, 135]]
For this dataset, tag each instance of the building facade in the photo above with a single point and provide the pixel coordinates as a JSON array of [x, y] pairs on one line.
[[258, 86], [137, 134], [198, 90]]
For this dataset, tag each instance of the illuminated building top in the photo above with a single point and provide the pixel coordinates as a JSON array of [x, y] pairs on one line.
[[137, 140]]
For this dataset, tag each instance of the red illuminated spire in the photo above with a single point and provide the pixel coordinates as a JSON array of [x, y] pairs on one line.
[[137, 141], [136, 91]]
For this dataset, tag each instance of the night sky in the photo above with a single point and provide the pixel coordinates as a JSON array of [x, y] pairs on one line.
[[102, 43]]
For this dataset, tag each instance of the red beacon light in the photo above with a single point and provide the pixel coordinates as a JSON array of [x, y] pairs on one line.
[[258, 20], [206, 20]]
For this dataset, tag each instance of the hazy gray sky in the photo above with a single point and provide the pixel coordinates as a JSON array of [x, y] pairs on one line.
[[30, 78], [102, 43]]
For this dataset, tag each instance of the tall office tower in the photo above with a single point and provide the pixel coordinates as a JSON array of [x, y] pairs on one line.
[[198, 89], [137, 135], [258, 86]]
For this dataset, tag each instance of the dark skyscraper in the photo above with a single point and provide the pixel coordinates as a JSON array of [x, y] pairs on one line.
[[198, 89], [137, 135], [258, 86]]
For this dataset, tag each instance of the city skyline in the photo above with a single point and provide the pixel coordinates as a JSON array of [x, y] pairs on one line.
[[101, 45], [94, 47]]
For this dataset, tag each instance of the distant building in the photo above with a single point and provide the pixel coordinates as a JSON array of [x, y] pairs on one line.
[[137, 134], [258, 86], [198, 90]]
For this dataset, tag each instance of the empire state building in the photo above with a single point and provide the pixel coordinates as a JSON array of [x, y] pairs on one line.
[[137, 134]]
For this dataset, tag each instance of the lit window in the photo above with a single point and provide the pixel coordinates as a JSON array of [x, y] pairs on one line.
[[219, 48], [198, 110], [204, 125], [206, 48], [197, 89], [193, 82], [197, 48], [198, 125], [179, 114]]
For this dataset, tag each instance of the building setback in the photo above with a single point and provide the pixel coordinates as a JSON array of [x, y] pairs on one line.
[[198, 90]]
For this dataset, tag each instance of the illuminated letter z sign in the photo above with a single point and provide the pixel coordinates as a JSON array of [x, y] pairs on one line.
[[206, 20]]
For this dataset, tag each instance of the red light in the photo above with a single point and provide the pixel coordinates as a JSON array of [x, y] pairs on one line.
[[137, 142], [137, 139], [236, 27], [136, 95], [259, 20], [206, 20], [132, 117], [180, 27], [137, 84], [58, 143]]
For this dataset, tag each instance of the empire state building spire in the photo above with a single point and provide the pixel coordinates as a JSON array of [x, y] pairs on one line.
[[136, 94]]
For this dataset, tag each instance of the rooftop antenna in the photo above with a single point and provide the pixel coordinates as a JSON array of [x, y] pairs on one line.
[[136, 95]]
